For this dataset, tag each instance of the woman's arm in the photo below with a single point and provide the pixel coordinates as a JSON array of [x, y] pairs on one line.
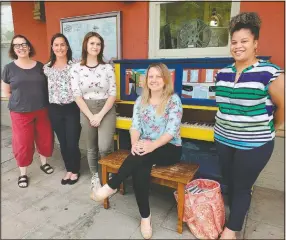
[[276, 90], [75, 79], [136, 127], [162, 140], [134, 136], [111, 93], [83, 107], [107, 106], [175, 112], [6, 89]]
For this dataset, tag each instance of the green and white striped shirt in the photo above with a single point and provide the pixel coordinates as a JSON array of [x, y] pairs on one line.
[[244, 119]]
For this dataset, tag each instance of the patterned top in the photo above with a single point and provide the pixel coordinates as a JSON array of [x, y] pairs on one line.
[[59, 84], [152, 126], [245, 116], [93, 83]]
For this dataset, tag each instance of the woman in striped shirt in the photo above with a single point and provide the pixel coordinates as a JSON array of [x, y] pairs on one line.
[[250, 97]]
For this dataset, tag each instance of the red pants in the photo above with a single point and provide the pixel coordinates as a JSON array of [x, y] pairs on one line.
[[28, 128]]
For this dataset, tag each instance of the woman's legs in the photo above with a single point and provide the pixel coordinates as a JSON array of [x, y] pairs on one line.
[[23, 141], [226, 158], [56, 115], [44, 137], [130, 164], [168, 154], [91, 143], [106, 131], [73, 131], [140, 168], [245, 169], [99, 139]]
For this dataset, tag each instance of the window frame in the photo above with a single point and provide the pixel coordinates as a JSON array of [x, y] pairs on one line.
[[154, 34]]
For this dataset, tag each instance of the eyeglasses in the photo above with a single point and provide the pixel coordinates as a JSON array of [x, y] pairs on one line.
[[23, 45]]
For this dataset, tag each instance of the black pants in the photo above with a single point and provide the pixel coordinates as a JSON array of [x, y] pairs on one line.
[[140, 169], [65, 121], [240, 169]]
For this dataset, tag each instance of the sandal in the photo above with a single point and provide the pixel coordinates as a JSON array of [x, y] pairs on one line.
[[46, 167], [23, 179]]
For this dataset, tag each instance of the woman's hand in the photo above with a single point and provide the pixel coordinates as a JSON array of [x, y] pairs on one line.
[[136, 148], [95, 120], [146, 146]]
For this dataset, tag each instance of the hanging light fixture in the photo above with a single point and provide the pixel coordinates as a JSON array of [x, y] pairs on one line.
[[214, 20]]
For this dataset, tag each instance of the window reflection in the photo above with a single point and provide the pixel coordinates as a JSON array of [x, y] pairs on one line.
[[194, 24]]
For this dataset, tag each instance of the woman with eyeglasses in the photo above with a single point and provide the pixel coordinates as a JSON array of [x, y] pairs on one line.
[[25, 84], [63, 111]]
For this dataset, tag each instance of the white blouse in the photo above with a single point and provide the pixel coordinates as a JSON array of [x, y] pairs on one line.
[[93, 83], [59, 84]]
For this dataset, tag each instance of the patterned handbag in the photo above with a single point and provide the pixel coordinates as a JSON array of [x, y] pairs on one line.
[[204, 210]]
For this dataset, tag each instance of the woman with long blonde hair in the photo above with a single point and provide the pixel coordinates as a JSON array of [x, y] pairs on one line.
[[155, 139]]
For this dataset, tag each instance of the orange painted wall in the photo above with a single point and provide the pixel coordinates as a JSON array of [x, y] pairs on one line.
[[135, 27], [34, 30], [134, 21], [272, 33]]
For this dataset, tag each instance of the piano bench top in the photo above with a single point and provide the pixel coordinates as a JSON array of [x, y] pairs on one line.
[[180, 172]]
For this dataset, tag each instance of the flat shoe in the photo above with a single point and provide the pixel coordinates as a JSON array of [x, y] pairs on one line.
[[103, 193], [71, 182], [146, 231], [65, 181]]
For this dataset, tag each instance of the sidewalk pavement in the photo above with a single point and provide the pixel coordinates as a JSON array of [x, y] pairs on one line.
[[49, 210]]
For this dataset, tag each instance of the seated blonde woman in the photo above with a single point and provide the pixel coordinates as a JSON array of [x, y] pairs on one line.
[[155, 139]]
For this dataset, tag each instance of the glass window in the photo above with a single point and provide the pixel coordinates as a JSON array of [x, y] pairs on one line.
[[189, 29], [7, 32], [194, 24]]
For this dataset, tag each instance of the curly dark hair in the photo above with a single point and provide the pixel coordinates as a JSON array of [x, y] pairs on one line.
[[246, 20]]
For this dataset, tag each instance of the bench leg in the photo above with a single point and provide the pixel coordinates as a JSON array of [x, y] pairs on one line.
[[181, 204], [104, 181], [122, 188]]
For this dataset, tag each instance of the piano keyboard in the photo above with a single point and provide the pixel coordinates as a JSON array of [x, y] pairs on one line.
[[204, 132]]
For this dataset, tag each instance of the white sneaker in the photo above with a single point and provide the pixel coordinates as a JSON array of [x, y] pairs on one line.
[[93, 180]]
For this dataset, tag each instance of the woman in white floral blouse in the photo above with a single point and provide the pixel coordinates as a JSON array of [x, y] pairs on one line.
[[94, 89], [63, 111]]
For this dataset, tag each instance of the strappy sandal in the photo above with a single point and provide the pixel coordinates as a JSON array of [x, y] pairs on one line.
[[46, 167], [23, 179]]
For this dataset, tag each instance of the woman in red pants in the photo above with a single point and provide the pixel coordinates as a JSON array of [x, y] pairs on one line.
[[25, 84]]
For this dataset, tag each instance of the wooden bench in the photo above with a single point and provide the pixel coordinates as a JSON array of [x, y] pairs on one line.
[[175, 176]]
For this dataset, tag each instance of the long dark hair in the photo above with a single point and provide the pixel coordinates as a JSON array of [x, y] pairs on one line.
[[12, 53], [53, 57], [84, 48]]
